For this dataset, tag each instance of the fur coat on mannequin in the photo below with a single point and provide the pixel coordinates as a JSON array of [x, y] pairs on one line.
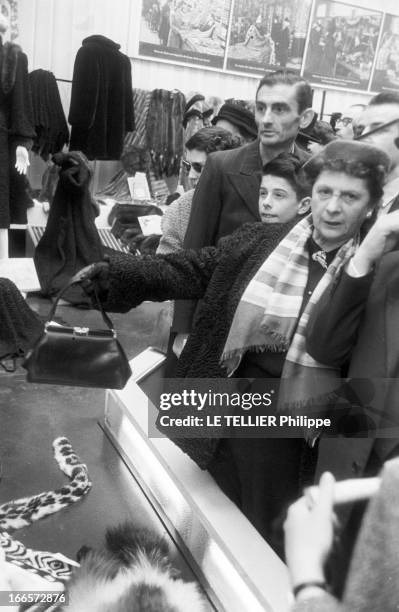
[[16, 127], [101, 110]]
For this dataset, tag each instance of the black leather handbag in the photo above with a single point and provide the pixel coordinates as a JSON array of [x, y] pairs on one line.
[[78, 356]]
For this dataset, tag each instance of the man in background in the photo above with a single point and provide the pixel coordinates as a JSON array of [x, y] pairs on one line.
[[384, 109], [346, 125]]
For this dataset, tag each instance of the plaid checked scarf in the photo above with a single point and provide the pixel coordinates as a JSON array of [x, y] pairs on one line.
[[267, 319]]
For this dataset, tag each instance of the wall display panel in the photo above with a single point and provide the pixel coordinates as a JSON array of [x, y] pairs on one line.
[[51, 32], [184, 31], [386, 69], [266, 35], [342, 45]]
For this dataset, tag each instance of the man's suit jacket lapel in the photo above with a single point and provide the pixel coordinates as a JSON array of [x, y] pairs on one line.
[[395, 204], [301, 154], [390, 417], [247, 175]]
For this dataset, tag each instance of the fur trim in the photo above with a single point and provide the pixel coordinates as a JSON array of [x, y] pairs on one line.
[[132, 572]]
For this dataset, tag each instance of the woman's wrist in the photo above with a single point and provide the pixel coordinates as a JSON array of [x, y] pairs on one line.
[[359, 265], [310, 589], [306, 572]]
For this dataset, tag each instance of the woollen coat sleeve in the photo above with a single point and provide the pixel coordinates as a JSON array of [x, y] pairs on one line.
[[333, 325], [174, 224], [134, 279], [85, 88]]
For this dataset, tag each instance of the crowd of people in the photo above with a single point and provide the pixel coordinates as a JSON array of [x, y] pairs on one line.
[[284, 266], [282, 260]]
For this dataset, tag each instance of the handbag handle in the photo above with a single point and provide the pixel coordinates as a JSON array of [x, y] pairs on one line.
[[77, 278]]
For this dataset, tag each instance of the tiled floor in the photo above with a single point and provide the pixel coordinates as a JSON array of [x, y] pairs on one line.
[[32, 416]]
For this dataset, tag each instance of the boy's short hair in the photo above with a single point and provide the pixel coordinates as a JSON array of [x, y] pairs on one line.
[[288, 167]]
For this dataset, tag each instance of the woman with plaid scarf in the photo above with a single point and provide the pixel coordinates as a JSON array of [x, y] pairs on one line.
[[258, 289]]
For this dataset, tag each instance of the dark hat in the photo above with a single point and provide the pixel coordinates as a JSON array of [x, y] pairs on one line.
[[194, 98], [238, 116], [196, 107], [349, 151]]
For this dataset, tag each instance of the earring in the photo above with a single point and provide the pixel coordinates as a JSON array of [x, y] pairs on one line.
[[368, 216]]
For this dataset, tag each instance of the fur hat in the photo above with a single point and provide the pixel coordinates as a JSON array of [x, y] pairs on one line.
[[238, 116]]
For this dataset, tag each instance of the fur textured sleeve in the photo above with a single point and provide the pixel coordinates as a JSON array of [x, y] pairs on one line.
[[182, 275]]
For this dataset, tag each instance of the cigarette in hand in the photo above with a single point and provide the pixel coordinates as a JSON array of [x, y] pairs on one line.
[[348, 491]]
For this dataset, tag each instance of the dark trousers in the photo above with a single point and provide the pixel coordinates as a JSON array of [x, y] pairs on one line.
[[261, 476]]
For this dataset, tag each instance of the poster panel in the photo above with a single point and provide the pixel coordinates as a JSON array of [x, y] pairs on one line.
[[185, 31], [267, 34], [342, 45], [386, 69]]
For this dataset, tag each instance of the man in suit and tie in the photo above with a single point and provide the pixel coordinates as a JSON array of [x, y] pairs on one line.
[[227, 194], [379, 123]]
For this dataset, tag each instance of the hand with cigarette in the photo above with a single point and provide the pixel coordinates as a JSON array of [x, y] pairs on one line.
[[309, 529], [309, 533]]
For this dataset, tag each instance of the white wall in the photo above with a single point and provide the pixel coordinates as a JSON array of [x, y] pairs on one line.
[[51, 32]]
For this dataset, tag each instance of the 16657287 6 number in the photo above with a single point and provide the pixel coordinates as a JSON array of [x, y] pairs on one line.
[[9, 598]]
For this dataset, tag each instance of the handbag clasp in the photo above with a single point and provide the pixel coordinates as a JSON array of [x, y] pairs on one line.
[[81, 331]]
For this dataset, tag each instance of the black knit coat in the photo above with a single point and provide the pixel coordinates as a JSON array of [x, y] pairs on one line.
[[101, 110], [218, 275]]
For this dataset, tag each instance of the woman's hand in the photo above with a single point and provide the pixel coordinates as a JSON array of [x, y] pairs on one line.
[[309, 532], [382, 238], [95, 278]]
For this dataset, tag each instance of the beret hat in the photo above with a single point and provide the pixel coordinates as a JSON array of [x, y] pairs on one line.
[[238, 116]]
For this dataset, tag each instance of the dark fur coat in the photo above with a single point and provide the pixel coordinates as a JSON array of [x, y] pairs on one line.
[[16, 128], [218, 276], [70, 240], [101, 110], [20, 327]]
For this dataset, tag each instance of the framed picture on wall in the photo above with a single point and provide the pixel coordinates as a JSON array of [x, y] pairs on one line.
[[386, 69], [266, 35], [185, 31], [342, 44]]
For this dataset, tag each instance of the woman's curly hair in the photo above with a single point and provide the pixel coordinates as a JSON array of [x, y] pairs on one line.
[[210, 139], [373, 174]]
